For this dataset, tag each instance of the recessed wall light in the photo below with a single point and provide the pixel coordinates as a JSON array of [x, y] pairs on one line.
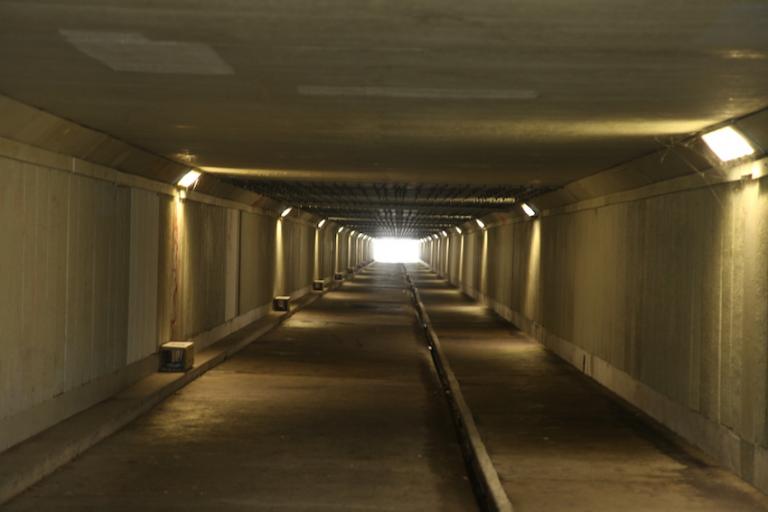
[[728, 143], [321, 223], [189, 179], [286, 211], [480, 223], [529, 211]]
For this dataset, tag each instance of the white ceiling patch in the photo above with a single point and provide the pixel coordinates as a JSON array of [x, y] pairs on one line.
[[133, 52], [417, 92]]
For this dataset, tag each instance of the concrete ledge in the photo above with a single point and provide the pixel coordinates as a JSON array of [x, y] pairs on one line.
[[28, 462], [485, 478], [30, 422]]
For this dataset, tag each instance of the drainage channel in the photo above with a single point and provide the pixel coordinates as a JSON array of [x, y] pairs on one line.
[[483, 475]]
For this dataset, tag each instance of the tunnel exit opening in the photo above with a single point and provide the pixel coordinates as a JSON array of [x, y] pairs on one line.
[[396, 250]]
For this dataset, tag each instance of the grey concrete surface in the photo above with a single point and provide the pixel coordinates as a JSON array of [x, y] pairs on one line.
[[524, 92], [30, 461], [338, 409], [558, 441]]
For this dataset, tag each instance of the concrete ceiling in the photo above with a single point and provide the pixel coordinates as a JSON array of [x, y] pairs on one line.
[[392, 210], [522, 93]]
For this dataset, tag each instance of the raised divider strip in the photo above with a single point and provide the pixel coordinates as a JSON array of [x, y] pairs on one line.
[[485, 478], [30, 461]]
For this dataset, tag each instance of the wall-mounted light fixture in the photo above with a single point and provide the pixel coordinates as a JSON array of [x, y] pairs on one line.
[[321, 223], [528, 209], [286, 212], [189, 179], [444, 233], [340, 229], [480, 223], [728, 143], [458, 229]]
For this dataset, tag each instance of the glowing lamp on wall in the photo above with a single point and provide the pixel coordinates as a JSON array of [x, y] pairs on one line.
[[480, 223], [286, 212], [458, 229], [728, 143], [528, 209], [189, 179], [321, 223]]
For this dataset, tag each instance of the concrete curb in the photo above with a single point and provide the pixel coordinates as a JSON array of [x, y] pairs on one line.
[[27, 463], [485, 478]]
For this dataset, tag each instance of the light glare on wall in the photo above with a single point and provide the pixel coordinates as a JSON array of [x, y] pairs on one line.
[[286, 211], [528, 210], [480, 223], [728, 143], [396, 250], [189, 179]]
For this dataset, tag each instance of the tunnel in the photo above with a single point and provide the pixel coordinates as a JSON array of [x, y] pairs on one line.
[[343, 255]]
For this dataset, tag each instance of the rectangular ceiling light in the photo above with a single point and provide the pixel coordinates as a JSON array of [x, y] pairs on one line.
[[189, 179], [728, 143], [528, 210]]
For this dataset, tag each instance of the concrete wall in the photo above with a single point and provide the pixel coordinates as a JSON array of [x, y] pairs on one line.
[[99, 267], [659, 294]]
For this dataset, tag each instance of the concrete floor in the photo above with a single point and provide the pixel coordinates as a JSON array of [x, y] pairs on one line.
[[559, 441], [337, 409]]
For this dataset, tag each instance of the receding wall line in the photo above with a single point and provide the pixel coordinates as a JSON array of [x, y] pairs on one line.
[[10, 150]]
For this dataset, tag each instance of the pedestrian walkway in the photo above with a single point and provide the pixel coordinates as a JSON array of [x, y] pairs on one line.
[[337, 409], [558, 441]]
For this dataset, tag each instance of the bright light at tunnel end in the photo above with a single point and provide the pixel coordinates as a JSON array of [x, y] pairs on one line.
[[395, 250]]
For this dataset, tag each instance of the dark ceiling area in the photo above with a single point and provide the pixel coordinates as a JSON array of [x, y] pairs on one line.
[[392, 210], [491, 98]]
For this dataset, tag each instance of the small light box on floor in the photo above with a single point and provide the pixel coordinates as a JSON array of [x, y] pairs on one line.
[[318, 285], [177, 356], [281, 303], [338, 276]]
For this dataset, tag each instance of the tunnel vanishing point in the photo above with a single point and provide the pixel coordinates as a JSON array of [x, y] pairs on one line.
[[193, 316]]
